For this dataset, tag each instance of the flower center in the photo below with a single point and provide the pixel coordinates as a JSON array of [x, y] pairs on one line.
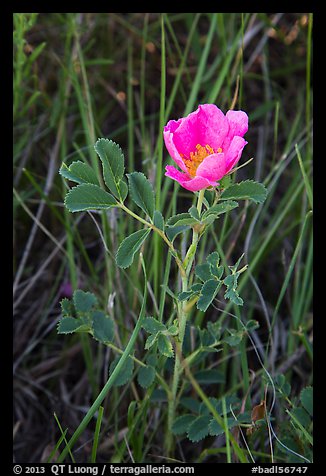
[[197, 157]]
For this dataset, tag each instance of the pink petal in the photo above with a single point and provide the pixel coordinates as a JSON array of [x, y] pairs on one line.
[[206, 125], [238, 126], [233, 154], [238, 122], [175, 174], [192, 184], [168, 139], [213, 167], [185, 136], [198, 183], [213, 126]]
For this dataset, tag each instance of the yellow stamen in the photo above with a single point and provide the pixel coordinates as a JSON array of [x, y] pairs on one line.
[[197, 157]]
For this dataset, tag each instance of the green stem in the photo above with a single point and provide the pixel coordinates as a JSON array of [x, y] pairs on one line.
[[183, 314]]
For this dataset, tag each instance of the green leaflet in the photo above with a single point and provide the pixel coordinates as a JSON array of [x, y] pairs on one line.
[[153, 326], [247, 190], [194, 213], [83, 301], [112, 159], [231, 293], [130, 246], [68, 325], [164, 345], [146, 376], [79, 172], [88, 197], [218, 209], [215, 428], [181, 219], [182, 423], [103, 326], [208, 293], [199, 428], [158, 220], [141, 192]]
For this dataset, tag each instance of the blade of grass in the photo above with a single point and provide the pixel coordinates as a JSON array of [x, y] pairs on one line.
[[97, 434], [64, 438], [158, 205], [289, 272], [305, 177], [55, 449], [201, 66], [227, 438]]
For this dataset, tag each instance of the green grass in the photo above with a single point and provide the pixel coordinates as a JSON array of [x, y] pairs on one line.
[[81, 76]]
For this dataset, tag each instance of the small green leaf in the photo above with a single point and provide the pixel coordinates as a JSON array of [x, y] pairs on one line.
[[68, 325], [213, 260], [141, 192], [103, 327], [306, 397], [208, 293], [150, 341], [79, 172], [181, 219], [247, 190], [193, 211], [123, 187], [231, 282], [130, 246], [84, 301], [234, 338], [203, 272], [184, 295], [182, 423], [158, 220], [225, 182], [88, 197], [205, 338], [164, 345], [219, 208], [67, 308], [112, 159], [173, 330], [173, 231], [214, 328], [146, 376], [153, 326], [194, 290], [215, 428], [252, 325], [126, 371], [199, 428]]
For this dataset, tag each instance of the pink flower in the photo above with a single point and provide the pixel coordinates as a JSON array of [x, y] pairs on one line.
[[206, 145]]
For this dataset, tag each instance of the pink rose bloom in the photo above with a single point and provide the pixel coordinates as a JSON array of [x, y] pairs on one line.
[[206, 145]]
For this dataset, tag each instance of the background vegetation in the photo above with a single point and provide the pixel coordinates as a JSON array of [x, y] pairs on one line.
[[80, 76]]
